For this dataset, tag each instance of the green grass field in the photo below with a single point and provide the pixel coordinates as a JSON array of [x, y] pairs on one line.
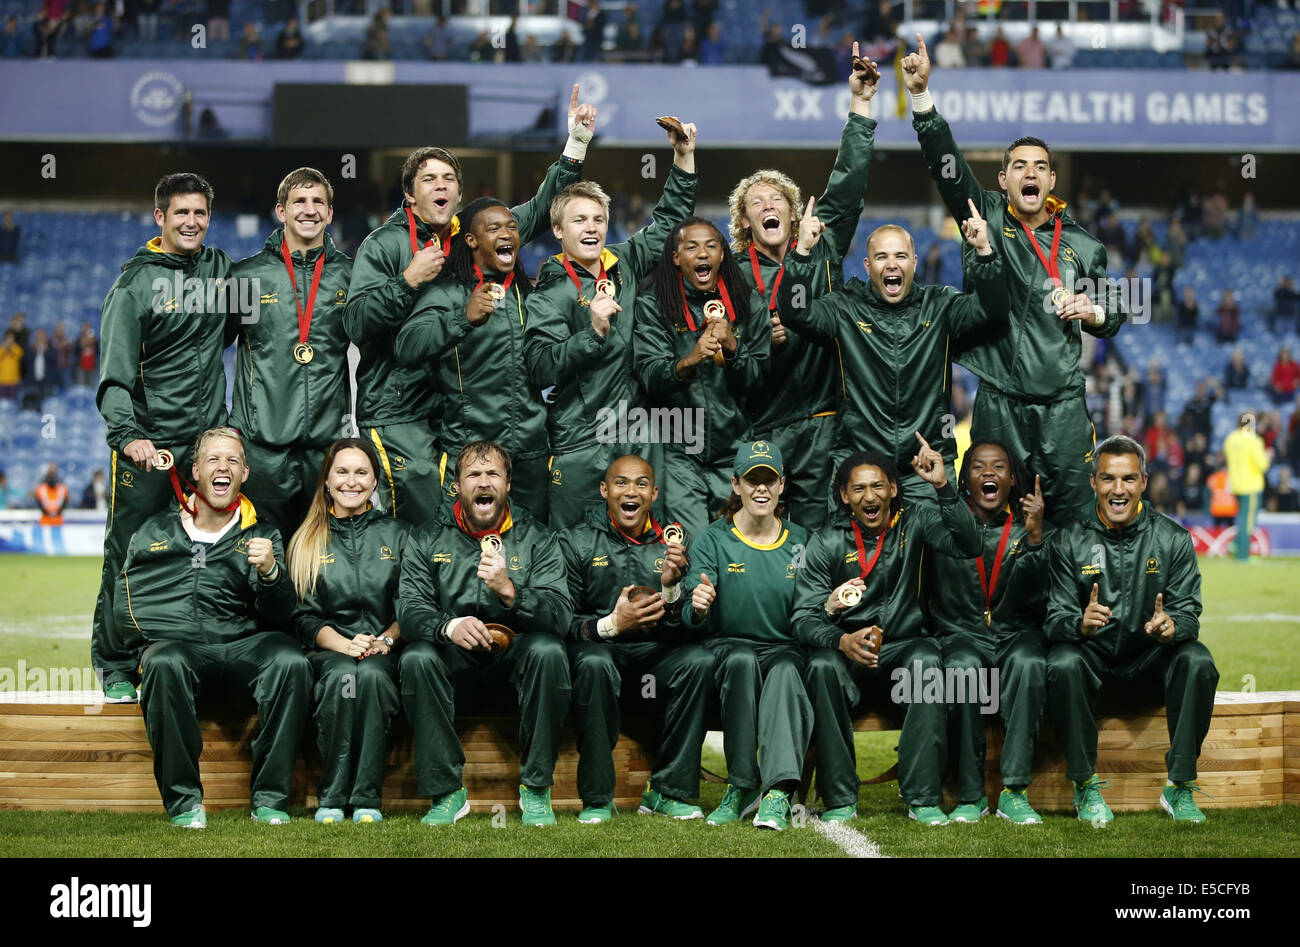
[[1251, 620]]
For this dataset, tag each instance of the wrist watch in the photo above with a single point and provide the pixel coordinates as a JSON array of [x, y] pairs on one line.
[[387, 640]]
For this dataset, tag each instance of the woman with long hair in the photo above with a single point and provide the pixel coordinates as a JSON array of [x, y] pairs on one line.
[[345, 564], [701, 347]]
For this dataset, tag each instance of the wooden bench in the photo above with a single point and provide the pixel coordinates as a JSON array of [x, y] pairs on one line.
[[68, 752]]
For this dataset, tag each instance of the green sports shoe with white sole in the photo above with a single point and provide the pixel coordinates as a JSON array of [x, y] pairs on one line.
[[1090, 805], [1177, 800], [970, 811], [653, 802], [268, 816], [448, 809], [735, 805], [1013, 805], [120, 692], [536, 806], [773, 811], [196, 818], [594, 815], [840, 814], [927, 815]]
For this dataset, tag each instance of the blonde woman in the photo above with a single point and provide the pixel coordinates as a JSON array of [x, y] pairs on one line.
[[345, 561]]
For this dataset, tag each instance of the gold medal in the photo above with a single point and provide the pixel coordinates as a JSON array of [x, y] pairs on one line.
[[715, 309], [673, 533], [496, 290], [605, 287], [849, 596], [491, 543], [303, 353], [988, 617], [164, 461], [1058, 296]]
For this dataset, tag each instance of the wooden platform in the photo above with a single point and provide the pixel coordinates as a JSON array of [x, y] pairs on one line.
[[66, 751], [76, 754]]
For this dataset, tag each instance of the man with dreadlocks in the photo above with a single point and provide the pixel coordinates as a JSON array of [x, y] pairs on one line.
[[989, 613], [702, 342], [468, 329], [799, 413], [396, 405]]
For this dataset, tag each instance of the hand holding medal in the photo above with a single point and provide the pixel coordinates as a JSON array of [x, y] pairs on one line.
[[481, 303], [845, 596]]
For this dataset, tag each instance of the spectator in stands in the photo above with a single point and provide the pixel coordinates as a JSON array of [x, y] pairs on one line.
[[289, 44], [1270, 426], [707, 10], [65, 357], [1155, 389], [103, 26], [1284, 498], [713, 51], [480, 50], [4, 490], [377, 45], [932, 267], [1031, 51], [11, 365], [38, 370], [1285, 376], [688, 51], [882, 22], [1176, 245], [1236, 377], [51, 23], [87, 356], [18, 326], [51, 497], [1000, 50], [1144, 239], [10, 232], [593, 33], [674, 12], [250, 43], [1214, 215], [1293, 55], [1248, 460], [512, 41], [437, 43], [1196, 416], [1247, 218], [11, 41], [1286, 303], [95, 496], [219, 22], [565, 49], [1060, 50], [948, 52], [629, 38], [1229, 314], [1222, 43], [146, 19], [1160, 493], [973, 49], [1111, 234], [1191, 492], [532, 51]]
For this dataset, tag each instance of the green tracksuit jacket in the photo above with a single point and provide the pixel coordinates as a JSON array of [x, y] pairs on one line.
[[562, 349], [356, 590], [277, 400], [756, 584], [808, 373], [440, 579], [1152, 554], [893, 594], [725, 393], [479, 369], [160, 371], [175, 589], [600, 560], [1035, 356], [894, 353], [380, 301]]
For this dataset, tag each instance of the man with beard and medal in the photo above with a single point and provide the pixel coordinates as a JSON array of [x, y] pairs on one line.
[[625, 572], [859, 586], [483, 599], [398, 407], [291, 369]]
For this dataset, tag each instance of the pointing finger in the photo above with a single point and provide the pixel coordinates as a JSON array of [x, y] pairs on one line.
[[1095, 589], [573, 99], [924, 443], [974, 211], [856, 54], [1038, 486], [1160, 601], [920, 46], [812, 203]]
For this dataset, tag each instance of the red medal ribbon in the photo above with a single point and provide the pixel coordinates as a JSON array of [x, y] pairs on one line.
[[659, 532], [180, 496], [464, 527], [574, 276], [726, 302], [415, 240], [862, 549], [988, 584], [1049, 264], [758, 277], [304, 320], [482, 279]]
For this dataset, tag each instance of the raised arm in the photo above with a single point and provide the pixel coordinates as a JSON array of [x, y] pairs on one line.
[[534, 215], [841, 203], [675, 205]]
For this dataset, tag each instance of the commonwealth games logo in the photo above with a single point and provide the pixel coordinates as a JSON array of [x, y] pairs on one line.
[[156, 98]]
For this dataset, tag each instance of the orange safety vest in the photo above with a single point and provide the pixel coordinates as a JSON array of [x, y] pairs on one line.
[[51, 499], [1223, 502]]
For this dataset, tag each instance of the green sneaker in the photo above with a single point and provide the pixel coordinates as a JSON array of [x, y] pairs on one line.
[[536, 806], [735, 805], [840, 814], [327, 816], [1014, 806], [448, 810], [120, 692], [928, 815], [196, 818], [773, 811], [268, 816], [1089, 804], [970, 811], [653, 802], [1177, 800], [367, 816], [594, 815]]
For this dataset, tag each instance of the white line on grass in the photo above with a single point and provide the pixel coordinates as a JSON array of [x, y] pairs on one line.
[[55, 626], [1267, 616], [850, 841]]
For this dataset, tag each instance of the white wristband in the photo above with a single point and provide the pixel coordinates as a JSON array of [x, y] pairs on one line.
[[922, 102], [605, 626], [1098, 316], [671, 593], [579, 137]]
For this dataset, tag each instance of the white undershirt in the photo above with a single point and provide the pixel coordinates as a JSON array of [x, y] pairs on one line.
[[202, 536]]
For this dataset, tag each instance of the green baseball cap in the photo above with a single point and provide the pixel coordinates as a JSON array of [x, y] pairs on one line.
[[759, 454]]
